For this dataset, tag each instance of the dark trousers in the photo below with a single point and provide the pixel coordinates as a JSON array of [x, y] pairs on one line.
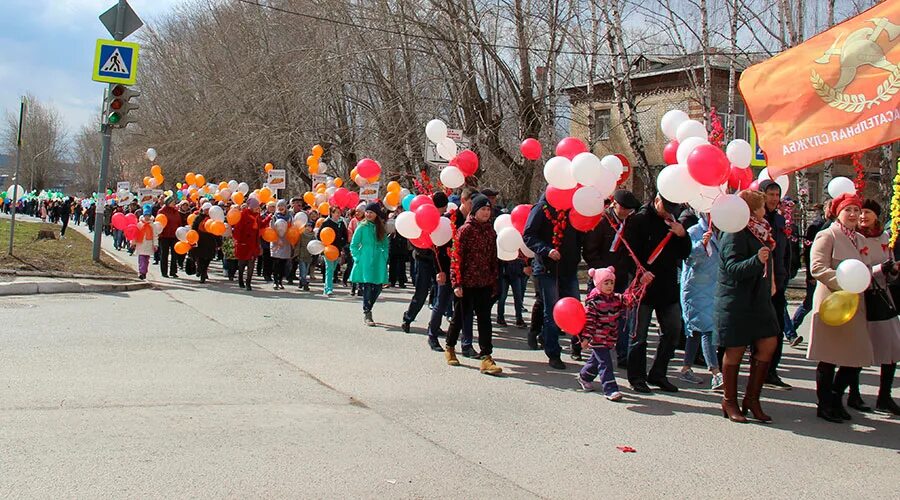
[[831, 382], [65, 224], [230, 266], [669, 319], [443, 298], [245, 265], [424, 281], [600, 363], [370, 293], [553, 288], [279, 269], [397, 270], [780, 303], [349, 267], [517, 283], [264, 265], [477, 302], [166, 249], [203, 268]]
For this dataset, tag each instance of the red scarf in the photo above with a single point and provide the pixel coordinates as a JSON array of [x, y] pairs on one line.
[[761, 229], [849, 233]]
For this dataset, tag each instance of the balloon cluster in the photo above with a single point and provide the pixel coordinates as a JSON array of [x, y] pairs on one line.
[[366, 171], [314, 161], [397, 196], [461, 164], [509, 228], [155, 179], [331, 194], [422, 223], [132, 227]]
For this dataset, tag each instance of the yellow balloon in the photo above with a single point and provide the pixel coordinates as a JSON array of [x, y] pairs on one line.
[[839, 308]]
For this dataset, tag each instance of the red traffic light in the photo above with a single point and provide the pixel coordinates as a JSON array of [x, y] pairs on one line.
[[118, 90], [116, 104]]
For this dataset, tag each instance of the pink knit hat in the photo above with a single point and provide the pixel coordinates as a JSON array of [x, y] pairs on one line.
[[602, 274]]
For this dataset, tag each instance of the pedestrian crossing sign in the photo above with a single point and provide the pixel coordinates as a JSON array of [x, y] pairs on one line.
[[116, 62]]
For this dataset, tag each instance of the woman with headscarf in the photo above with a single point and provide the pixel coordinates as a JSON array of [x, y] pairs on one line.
[[370, 256], [745, 315], [846, 346]]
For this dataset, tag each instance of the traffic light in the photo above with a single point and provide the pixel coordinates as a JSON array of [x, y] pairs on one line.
[[118, 106]]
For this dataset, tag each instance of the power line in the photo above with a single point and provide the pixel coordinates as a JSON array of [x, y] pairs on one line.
[[376, 28]]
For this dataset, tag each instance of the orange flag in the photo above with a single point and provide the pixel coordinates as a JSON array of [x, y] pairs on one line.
[[833, 95]]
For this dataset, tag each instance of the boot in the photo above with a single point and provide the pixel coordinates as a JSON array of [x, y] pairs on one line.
[[450, 356], [367, 318], [532, 340], [885, 404], [730, 408], [824, 383], [758, 371], [489, 367]]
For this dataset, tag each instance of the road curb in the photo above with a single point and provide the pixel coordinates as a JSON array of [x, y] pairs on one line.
[[34, 288]]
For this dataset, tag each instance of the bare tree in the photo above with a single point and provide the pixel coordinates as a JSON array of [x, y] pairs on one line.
[[43, 143]]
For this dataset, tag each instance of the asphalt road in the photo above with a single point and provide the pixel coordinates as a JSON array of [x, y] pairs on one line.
[[211, 391]]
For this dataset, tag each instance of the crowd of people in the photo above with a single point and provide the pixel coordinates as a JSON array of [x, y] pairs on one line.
[[725, 293]]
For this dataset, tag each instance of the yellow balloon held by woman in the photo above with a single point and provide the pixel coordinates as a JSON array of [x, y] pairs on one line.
[[839, 308]]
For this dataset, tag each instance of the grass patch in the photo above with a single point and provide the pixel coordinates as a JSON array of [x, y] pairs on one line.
[[69, 255]]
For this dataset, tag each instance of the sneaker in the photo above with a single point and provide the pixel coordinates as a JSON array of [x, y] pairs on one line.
[[470, 352], [585, 385], [718, 382], [775, 382], [690, 377], [663, 384], [501, 321], [488, 367], [616, 396], [520, 323], [796, 341], [435, 345], [557, 363]]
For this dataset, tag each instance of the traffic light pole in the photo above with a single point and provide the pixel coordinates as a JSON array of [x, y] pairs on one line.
[[106, 139], [15, 193]]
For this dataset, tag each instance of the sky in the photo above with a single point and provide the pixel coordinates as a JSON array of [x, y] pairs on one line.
[[47, 49]]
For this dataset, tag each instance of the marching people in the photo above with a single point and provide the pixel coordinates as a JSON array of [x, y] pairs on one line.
[[303, 256], [427, 269], [513, 274], [818, 223], [246, 242], [205, 250], [280, 249], [167, 239], [781, 261], [146, 242], [334, 222], [370, 248]]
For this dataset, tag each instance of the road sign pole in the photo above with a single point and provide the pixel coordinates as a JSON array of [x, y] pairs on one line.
[[15, 193], [106, 139]]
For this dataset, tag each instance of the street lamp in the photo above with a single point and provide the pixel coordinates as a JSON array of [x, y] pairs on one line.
[[34, 159]]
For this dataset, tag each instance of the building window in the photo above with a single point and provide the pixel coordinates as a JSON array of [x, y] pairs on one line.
[[602, 118]]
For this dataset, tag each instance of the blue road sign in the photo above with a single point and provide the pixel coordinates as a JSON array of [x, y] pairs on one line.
[[116, 62]]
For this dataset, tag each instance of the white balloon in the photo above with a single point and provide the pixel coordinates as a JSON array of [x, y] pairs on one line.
[[558, 172], [153, 183], [839, 186], [452, 207], [243, 188], [613, 164], [691, 128], [588, 201], [330, 192], [281, 227], [739, 153], [526, 251], [501, 222], [315, 247], [320, 198], [704, 198], [403, 193], [853, 276], [19, 192], [451, 176], [181, 233], [509, 240], [225, 194], [407, 227], [676, 184], [323, 167], [436, 130], [151, 154], [216, 213], [443, 233], [782, 181], [730, 213], [157, 228], [446, 148], [671, 121], [360, 180], [687, 146], [587, 169], [300, 220], [507, 256], [233, 185]]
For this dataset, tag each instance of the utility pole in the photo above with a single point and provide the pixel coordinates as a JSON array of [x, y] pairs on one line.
[[15, 193]]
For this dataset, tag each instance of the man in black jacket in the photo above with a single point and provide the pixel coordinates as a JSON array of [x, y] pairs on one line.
[[661, 244], [426, 274], [781, 258]]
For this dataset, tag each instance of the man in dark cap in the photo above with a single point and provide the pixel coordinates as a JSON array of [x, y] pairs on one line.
[[492, 194], [781, 258], [603, 247], [661, 244], [167, 239], [426, 273]]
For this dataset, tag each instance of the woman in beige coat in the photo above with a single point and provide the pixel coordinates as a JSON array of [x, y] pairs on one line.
[[848, 345], [883, 333]]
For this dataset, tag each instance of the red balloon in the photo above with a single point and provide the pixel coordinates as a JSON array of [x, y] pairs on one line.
[[583, 223], [740, 178], [368, 168], [118, 220], [570, 147], [419, 201], [708, 165], [560, 199], [754, 186], [531, 149], [424, 242], [569, 315], [131, 232], [427, 218], [130, 219], [467, 161], [340, 197], [670, 153], [519, 217], [352, 199]]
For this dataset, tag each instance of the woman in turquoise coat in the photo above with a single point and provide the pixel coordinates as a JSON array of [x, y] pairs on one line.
[[369, 249]]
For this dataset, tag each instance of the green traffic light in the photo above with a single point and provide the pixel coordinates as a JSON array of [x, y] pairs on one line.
[[114, 118]]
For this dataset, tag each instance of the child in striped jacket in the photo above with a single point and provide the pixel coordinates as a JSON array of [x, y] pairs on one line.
[[603, 307]]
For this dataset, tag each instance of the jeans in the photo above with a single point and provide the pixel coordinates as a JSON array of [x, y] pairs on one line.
[[424, 280], [669, 319], [790, 332], [443, 295], [780, 303], [552, 289], [330, 266], [805, 307], [477, 302], [167, 248], [370, 293], [118, 239], [600, 363], [397, 270], [303, 272], [702, 340], [518, 284]]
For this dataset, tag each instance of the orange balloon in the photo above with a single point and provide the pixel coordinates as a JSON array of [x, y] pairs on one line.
[[237, 197], [265, 195], [159, 180], [182, 247], [353, 173], [195, 195], [321, 186], [162, 219], [338, 182], [192, 236], [233, 216], [206, 224], [147, 181], [393, 187], [372, 179], [269, 235], [156, 171], [312, 162], [223, 185], [190, 178], [392, 198], [324, 208], [331, 252], [217, 197], [327, 235], [292, 235], [319, 222], [268, 167], [314, 170], [309, 198], [217, 227], [318, 151], [190, 219], [201, 181]]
